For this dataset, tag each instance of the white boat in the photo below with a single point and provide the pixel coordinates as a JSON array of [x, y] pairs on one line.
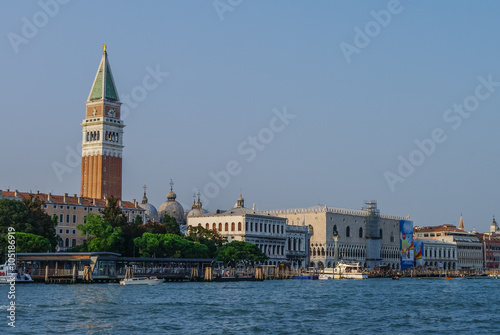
[[346, 270], [17, 275], [325, 276], [142, 281]]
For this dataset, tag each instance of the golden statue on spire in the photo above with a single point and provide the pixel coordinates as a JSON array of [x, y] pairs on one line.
[[104, 47]]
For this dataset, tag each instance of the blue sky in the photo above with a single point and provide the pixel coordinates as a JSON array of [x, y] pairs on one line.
[[353, 116]]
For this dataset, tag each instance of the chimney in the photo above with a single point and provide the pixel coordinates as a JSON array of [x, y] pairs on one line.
[[74, 195], [79, 200], [93, 202], [49, 197], [37, 192], [16, 193], [134, 202], [65, 198], [119, 203]]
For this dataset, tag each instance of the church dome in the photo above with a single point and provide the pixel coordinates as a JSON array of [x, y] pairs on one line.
[[172, 207], [197, 212], [150, 210]]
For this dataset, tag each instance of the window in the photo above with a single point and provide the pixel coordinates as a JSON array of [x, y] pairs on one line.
[[74, 231], [74, 218], [74, 208], [207, 226], [55, 206], [44, 206], [67, 231], [392, 237], [251, 226], [91, 209], [432, 234], [67, 207], [214, 226], [220, 226], [226, 227], [73, 242], [60, 231], [361, 232], [348, 231], [239, 226], [381, 233], [426, 235], [232, 226], [61, 217], [67, 218], [67, 242]]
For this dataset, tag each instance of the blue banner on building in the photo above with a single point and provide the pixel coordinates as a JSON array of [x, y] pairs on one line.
[[407, 249]]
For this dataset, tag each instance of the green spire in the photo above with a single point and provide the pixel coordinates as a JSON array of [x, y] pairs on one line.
[[104, 84]]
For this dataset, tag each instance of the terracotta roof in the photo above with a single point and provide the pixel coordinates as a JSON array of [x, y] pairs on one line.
[[445, 227], [70, 200]]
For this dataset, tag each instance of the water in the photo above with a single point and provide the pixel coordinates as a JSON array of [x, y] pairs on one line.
[[384, 306]]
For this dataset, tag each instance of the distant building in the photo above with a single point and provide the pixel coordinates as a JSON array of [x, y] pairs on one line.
[[438, 254], [491, 246], [150, 210], [280, 242], [365, 235], [72, 211], [469, 248]]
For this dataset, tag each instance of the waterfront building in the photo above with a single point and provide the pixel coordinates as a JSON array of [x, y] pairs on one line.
[[280, 242], [438, 254], [491, 246], [102, 144], [469, 248], [364, 236], [72, 211]]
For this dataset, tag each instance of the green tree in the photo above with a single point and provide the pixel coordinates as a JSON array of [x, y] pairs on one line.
[[113, 214], [237, 252], [170, 246], [26, 242], [211, 238], [26, 216], [103, 236], [171, 225]]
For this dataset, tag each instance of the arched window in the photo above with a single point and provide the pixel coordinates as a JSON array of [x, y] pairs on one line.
[[232, 226], [226, 227], [360, 232], [311, 229], [67, 242], [392, 236], [207, 226], [322, 251], [348, 231], [299, 245], [294, 244], [214, 226], [251, 226], [239, 226], [220, 226]]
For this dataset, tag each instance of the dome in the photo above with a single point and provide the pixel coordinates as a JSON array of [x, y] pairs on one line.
[[173, 209], [171, 195], [151, 211], [197, 212]]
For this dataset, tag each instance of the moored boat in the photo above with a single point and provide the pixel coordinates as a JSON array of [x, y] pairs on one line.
[[8, 276], [142, 281], [344, 270]]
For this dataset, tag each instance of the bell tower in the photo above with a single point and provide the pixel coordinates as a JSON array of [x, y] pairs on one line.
[[102, 144]]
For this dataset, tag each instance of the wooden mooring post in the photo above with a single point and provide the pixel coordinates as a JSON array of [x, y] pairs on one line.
[[209, 274]]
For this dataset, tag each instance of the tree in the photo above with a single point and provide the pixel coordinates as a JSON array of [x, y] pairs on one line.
[[113, 214], [170, 246], [211, 238], [171, 225], [103, 236], [237, 252], [26, 216], [26, 242]]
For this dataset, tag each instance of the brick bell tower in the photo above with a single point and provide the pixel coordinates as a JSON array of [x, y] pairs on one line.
[[102, 144]]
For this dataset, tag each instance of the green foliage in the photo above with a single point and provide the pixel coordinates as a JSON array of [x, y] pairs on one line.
[[211, 238], [169, 246], [113, 214], [171, 225], [238, 252], [26, 242], [103, 236], [26, 216]]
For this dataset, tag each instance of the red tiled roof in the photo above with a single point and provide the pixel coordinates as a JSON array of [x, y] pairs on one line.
[[70, 200]]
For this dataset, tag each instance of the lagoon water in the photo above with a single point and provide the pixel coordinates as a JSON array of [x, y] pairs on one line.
[[406, 306]]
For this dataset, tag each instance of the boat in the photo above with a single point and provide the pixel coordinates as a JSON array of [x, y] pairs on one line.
[[19, 276], [344, 270], [142, 281], [396, 277]]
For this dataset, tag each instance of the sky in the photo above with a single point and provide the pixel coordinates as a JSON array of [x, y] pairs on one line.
[[291, 103]]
